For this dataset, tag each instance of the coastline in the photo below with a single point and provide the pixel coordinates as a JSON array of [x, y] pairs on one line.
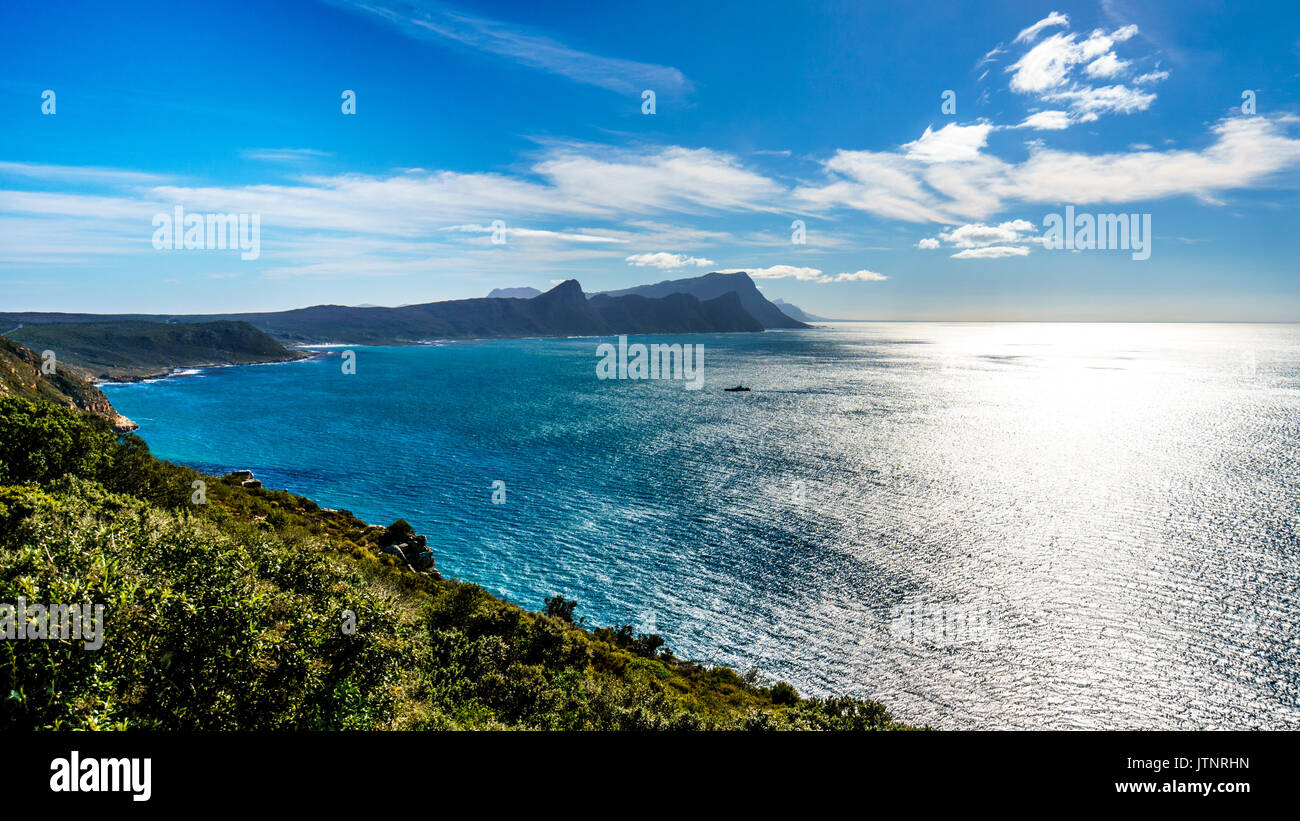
[[191, 370]]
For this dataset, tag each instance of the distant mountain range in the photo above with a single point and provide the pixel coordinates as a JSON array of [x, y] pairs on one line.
[[715, 303], [115, 346], [701, 287], [514, 293], [795, 312]]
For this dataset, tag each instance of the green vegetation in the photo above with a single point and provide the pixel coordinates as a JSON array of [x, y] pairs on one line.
[[21, 375], [235, 615], [130, 349]]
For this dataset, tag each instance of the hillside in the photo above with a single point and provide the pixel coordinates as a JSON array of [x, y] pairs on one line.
[[20, 375], [711, 286], [127, 349], [257, 609]]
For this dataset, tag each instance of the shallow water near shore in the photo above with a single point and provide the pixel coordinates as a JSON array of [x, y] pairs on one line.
[[1005, 525]]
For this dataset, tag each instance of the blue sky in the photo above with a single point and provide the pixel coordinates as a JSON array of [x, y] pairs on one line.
[[765, 113]]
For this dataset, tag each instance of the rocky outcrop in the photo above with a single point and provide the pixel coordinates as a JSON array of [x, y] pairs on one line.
[[400, 541], [245, 478]]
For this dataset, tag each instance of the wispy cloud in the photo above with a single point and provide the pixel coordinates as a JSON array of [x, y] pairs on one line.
[[437, 23], [535, 233], [83, 174], [283, 155], [1054, 19]]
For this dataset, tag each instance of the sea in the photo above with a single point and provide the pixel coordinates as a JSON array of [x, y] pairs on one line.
[[984, 526]]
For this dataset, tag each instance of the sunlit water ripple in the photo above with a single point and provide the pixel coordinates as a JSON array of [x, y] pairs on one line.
[[1119, 501]]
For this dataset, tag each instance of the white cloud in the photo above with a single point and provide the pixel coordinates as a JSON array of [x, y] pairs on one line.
[[1106, 66], [1047, 71], [952, 143], [976, 235], [779, 272], [1151, 77], [989, 56], [666, 261], [1047, 121], [79, 174], [807, 274], [1087, 103], [1046, 65], [1053, 19], [665, 179], [992, 252], [283, 155], [929, 244], [1246, 152], [861, 276], [535, 233]]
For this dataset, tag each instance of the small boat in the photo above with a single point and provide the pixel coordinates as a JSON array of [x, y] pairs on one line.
[[735, 389]]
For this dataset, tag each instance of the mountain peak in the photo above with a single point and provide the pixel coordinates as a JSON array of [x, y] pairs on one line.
[[708, 286], [731, 276], [566, 289]]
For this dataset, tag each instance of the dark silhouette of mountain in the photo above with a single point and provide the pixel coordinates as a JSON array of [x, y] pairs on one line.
[[714, 285], [514, 293], [675, 313], [795, 312], [562, 311]]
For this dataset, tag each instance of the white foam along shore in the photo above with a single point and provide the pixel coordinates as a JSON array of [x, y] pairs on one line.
[[197, 370]]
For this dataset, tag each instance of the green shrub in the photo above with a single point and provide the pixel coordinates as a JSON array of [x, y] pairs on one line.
[[261, 610]]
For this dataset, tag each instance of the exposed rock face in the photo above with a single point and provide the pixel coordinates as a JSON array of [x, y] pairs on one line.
[[244, 478], [401, 541], [21, 374]]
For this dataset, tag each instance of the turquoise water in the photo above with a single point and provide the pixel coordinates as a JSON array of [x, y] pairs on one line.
[[999, 525]]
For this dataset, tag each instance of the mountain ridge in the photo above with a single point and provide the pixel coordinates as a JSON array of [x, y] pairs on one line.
[[715, 284], [795, 312], [565, 310]]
